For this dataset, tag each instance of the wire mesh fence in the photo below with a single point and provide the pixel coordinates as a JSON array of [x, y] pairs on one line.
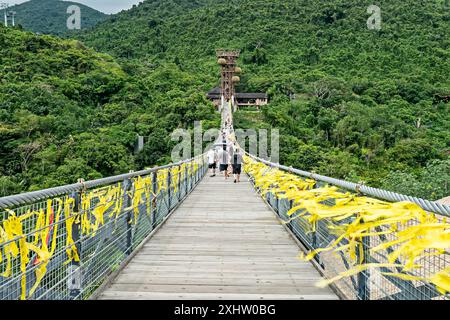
[[372, 283], [64, 248]]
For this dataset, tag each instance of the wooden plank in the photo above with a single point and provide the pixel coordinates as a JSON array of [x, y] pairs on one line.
[[185, 275], [224, 276], [217, 252], [130, 279], [221, 243], [117, 295], [263, 274], [224, 288], [174, 266]]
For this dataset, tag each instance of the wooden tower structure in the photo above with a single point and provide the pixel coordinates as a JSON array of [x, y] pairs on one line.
[[228, 60]]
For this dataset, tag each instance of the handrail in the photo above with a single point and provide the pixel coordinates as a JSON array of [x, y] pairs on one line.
[[28, 197], [427, 205]]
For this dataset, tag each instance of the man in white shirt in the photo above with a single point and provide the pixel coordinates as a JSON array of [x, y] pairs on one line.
[[212, 160]]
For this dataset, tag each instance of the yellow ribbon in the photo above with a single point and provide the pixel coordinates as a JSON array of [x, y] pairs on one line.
[[422, 232]]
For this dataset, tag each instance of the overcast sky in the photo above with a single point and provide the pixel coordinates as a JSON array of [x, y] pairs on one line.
[[106, 6]]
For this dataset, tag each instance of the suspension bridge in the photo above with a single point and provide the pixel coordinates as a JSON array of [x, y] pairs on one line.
[[173, 232]]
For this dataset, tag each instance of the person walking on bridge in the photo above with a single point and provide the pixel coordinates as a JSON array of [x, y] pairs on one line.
[[224, 160], [238, 160], [212, 161], [224, 137], [230, 149]]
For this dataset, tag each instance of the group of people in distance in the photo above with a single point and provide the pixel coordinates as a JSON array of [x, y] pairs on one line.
[[228, 155]]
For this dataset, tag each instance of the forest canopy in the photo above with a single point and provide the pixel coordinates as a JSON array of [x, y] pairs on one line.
[[68, 112]]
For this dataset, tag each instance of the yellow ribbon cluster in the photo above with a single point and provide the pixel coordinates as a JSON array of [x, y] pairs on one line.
[[417, 233], [97, 207], [12, 233]]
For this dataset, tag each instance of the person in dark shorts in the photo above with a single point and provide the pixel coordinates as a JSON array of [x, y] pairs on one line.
[[237, 164], [224, 160], [212, 161]]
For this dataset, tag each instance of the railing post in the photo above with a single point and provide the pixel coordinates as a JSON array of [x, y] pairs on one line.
[[75, 274], [194, 175], [155, 199], [169, 189], [197, 174], [363, 277], [127, 203], [186, 179], [291, 205], [314, 243], [179, 183], [277, 204], [314, 237], [191, 175], [314, 234]]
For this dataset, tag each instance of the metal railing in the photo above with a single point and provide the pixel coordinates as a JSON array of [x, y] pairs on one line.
[[370, 284], [390, 196], [62, 243]]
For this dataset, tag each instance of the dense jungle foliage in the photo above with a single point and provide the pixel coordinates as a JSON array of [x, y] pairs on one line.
[[352, 103], [68, 112], [50, 16]]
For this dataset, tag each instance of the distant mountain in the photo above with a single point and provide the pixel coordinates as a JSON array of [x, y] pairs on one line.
[[50, 16]]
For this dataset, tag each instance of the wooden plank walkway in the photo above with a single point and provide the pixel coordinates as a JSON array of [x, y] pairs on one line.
[[223, 242]]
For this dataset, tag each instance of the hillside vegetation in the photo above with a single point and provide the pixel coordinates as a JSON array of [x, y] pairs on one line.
[[50, 16], [365, 106], [67, 112]]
